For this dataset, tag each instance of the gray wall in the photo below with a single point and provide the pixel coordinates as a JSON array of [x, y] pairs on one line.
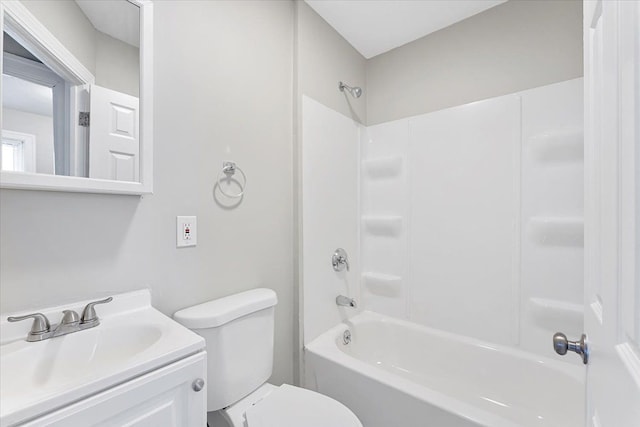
[[515, 46], [223, 73], [324, 58], [117, 65]]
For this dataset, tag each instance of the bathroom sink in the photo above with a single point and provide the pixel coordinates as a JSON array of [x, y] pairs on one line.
[[133, 338], [26, 366]]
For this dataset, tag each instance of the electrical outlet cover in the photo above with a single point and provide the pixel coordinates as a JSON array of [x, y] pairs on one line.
[[186, 231]]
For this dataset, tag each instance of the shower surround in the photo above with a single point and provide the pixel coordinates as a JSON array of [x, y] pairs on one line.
[[466, 221], [472, 218]]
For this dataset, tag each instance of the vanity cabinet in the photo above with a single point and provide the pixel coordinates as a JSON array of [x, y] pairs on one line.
[[161, 398]]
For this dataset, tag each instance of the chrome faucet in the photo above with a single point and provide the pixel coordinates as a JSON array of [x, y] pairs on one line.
[[343, 301], [340, 260], [71, 322]]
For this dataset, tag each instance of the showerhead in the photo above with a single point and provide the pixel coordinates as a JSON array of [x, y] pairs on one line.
[[355, 91]]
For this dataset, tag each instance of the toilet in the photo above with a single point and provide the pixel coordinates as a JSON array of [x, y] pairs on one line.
[[239, 335]]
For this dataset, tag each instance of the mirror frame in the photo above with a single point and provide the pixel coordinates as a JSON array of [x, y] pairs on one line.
[[25, 24]]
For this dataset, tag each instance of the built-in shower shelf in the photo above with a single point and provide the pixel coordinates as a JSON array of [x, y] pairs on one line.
[[389, 225], [382, 284], [549, 313], [557, 231], [382, 167], [558, 145]]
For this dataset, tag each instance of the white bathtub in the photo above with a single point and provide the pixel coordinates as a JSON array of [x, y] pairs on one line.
[[398, 374]]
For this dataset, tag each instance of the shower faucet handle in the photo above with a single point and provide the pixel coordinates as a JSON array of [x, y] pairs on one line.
[[340, 260]]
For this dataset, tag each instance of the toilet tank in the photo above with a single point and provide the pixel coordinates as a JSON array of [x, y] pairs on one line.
[[238, 331]]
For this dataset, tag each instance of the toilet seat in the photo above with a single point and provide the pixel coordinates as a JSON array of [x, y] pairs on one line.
[[289, 406]]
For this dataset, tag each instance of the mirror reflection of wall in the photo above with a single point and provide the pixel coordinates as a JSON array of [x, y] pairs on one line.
[[41, 132], [115, 35]]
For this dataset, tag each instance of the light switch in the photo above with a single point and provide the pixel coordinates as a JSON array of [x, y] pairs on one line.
[[186, 231]]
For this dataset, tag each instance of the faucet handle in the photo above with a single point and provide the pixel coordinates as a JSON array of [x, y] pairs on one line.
[[340, 260], [69, 317], [89, 313], [40, 323]]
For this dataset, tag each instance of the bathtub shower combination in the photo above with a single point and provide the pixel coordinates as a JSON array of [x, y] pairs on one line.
[[463, 231]]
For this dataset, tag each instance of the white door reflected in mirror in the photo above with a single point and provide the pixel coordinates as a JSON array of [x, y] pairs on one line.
[[114, 148]]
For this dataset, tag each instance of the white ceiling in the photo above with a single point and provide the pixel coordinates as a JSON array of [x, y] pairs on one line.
[[377, 26], [117, 18]]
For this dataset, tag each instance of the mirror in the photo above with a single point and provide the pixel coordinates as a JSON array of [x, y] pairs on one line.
[[76, 109]]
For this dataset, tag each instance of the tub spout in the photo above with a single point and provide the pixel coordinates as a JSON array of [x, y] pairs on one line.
[[346, 301]]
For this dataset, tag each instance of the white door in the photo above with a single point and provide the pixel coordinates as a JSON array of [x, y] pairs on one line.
[[612, 207], [114, 143]]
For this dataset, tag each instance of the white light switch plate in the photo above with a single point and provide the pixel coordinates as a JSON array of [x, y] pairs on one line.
[[186, 231]]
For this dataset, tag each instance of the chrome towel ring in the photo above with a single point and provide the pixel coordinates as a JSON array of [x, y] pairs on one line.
[[229, 169]]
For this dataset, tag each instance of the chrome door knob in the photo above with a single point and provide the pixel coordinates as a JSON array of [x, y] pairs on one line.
[[561, 345]]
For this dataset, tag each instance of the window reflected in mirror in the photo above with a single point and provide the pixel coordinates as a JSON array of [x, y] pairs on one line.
[[55, 122], [19, 152]]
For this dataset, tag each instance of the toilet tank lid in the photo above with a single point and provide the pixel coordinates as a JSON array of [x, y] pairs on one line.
[[223, 310]]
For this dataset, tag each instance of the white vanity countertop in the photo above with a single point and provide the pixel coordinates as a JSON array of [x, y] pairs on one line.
[[133, 338]]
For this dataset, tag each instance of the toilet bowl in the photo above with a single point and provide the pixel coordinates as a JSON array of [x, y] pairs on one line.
[[289, 406], [238, 331]]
